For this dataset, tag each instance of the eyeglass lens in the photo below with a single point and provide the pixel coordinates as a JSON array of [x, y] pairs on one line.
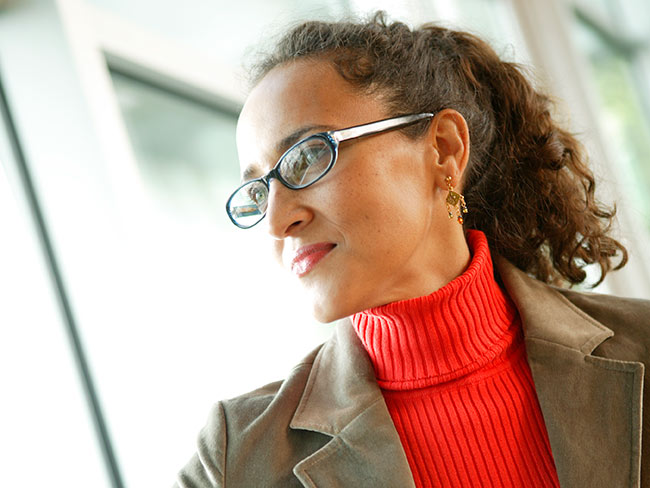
[[305, 162], [247, 205], [300, 166]]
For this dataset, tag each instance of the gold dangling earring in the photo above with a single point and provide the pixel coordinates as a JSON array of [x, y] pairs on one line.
[[452, 199]]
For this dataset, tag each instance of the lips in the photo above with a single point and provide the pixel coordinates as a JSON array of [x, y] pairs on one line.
[[307, 257]]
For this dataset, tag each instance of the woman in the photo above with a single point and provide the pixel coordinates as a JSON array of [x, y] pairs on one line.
[[417, 187]]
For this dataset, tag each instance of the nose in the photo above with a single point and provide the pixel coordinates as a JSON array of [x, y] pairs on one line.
[[286, 214]]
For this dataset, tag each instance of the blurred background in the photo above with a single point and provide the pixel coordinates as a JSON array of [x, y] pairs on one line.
[[128, 302]]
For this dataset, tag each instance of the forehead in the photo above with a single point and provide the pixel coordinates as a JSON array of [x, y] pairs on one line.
[[294, 96]]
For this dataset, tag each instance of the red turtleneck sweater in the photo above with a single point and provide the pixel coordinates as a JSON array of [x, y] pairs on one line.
[[452, 367]]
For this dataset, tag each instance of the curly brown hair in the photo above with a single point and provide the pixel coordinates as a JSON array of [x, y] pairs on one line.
[[527, 183]]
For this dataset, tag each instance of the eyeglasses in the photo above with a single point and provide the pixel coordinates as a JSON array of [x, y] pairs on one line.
[[302, 165]]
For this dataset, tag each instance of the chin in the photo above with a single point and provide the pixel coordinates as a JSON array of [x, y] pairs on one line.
[[329, 303], [331, 308], [327, 311], [325, 315]]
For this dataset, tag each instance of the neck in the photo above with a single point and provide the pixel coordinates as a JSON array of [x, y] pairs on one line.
[[441, 336]]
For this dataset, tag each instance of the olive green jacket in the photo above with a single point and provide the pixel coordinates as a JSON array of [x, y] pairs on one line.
[[327, 424]]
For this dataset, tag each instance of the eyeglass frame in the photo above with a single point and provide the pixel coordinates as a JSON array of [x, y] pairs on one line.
[[332, 138]]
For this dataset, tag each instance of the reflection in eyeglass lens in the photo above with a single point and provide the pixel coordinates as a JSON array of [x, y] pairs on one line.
[[306, 162], [249, 201]]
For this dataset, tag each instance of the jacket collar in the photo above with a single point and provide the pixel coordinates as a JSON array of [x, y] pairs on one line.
[[342, 399], [548, 316], [591, 405]]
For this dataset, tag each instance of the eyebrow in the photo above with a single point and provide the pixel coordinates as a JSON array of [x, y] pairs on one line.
[[251, 171]]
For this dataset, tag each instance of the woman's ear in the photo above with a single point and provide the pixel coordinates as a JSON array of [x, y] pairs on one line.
[[449, 136]]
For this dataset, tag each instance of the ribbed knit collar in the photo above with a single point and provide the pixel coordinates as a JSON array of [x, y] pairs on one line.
[[435, 338]]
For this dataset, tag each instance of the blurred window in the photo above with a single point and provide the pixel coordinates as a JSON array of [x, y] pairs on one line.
[[615, 38], [45, 423], [185, 148], [220, 32]]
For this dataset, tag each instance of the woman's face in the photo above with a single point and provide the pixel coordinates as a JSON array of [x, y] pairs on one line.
[[375, 228]]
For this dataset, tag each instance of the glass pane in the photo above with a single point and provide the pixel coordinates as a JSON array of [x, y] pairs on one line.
[[220, 33], [635, 15], [622, 98], [230, 38], [185, 151], [47, 434]]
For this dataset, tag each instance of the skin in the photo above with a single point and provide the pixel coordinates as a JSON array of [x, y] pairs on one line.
[[382, 204]]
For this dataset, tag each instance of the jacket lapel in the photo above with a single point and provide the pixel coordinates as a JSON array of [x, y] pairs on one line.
[[342, 399], [591, 405]]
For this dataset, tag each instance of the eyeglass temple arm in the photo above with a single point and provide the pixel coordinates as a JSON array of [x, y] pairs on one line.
[[375, 127]]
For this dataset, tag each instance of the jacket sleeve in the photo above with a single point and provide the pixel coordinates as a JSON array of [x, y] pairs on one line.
[[206, 468]]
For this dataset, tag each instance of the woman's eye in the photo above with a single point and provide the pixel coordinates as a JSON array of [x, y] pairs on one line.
[[257, 195]]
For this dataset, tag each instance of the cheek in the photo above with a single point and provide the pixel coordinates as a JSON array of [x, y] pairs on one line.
[[395, 218], [369, 220], [373, 200]]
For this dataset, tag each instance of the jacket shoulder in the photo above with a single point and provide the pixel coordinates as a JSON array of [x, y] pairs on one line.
[[246, 409], [250, 430], [628, 318]]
